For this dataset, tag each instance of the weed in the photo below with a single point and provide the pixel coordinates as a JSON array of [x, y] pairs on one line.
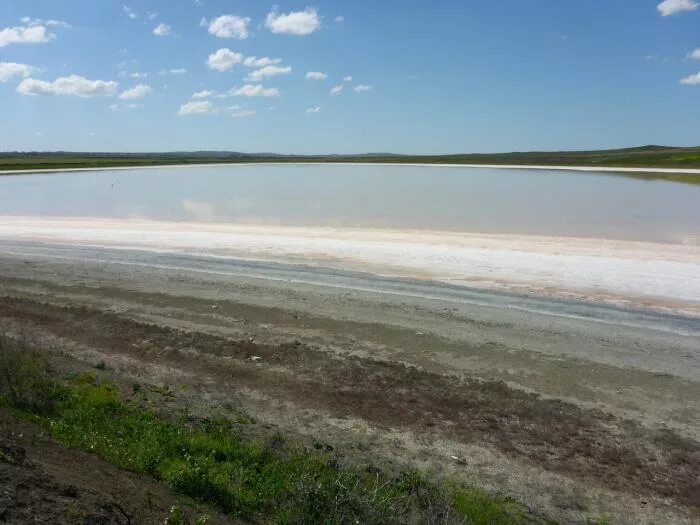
[[25, 382]]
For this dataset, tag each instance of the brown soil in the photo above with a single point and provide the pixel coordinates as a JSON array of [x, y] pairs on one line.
[[557, 436]]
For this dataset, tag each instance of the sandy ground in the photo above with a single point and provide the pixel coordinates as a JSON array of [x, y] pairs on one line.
[[579, 410]]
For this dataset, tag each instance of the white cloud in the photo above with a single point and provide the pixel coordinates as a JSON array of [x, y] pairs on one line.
[[316, 75], [224, 59], [361, 87], [10, 70], [336, 90], [261, 62], [203, 94], [139, 91], [267, 71], [152, 15], [40, 22], [199, 107], [339, 18], [695, 54], [74, 85], [692, 80], [162, 30], [298, 23], [314, 109], [137, 74], [237, 113], [228, 26], [672, 7], [114, 107], [347, 79], [174, 71], [30, 34], [129, 12], [250, 90]]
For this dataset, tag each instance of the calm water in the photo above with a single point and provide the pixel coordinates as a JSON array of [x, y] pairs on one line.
[[484, 200]]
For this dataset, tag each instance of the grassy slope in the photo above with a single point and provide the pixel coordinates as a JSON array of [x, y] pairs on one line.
[[211, 461]]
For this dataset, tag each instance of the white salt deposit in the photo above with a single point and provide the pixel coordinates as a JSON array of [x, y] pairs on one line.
[[661, 276]]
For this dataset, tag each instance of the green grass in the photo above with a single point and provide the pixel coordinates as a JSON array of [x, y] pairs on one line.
[[256, 480], [642, 157]]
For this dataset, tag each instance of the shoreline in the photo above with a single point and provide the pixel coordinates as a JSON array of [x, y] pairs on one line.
[[602, 169], [618, 273]]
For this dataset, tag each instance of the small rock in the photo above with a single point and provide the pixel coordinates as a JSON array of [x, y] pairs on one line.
[[255, 358]]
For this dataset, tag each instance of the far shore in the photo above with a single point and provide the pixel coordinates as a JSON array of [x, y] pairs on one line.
[[607, 169]]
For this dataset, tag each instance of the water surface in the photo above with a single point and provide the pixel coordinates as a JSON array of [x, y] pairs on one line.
[[478, 200]]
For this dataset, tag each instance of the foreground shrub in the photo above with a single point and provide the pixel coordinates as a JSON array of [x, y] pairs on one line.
[[25, 382]]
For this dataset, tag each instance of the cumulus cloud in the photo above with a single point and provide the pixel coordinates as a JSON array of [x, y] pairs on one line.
[[10, 70], [203, 94], [28, 34], [692, 80], [316, 75], [315, 109], [347, 79], [250, 90], [261, 62], [139, 91], [673, 7], [199, 107], [74, 85], [162, 30], [224, 59], [361, 87], [41, 22], [267, 71], [336, 90], [228, 26], [695, 54], [298, 23]]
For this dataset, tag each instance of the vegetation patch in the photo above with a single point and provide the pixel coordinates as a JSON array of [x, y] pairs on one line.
[[212, 462]]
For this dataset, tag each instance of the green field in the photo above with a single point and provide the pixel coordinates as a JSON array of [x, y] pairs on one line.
[[642, 157]]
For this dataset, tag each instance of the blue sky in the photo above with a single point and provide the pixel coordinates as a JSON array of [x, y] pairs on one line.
[[435, 76]]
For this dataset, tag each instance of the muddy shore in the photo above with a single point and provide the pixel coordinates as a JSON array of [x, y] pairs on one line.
[[579, 416]]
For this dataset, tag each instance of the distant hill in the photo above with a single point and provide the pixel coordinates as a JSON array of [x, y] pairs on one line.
[[649, 156]]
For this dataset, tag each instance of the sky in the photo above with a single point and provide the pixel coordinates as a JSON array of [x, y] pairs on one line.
[[323, 76]]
